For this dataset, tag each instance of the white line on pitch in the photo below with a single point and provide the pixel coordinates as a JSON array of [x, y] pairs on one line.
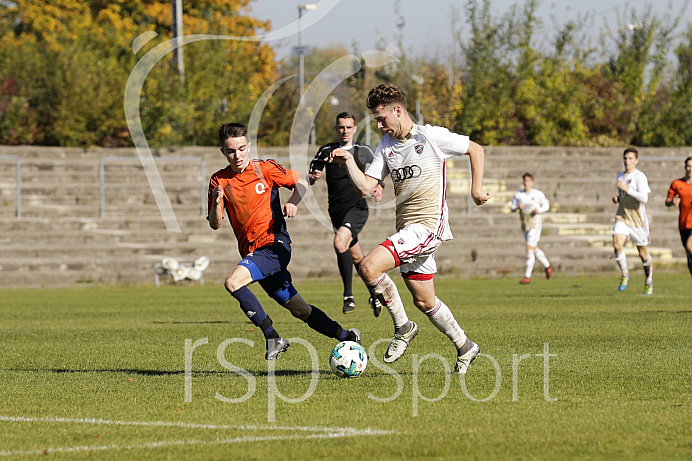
[[24, 419], [178, 443], [327, 432]]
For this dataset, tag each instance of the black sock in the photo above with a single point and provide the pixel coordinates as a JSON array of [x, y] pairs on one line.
[[345, 262]]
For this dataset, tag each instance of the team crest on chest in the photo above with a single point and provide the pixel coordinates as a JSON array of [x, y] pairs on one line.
[[419, 148]]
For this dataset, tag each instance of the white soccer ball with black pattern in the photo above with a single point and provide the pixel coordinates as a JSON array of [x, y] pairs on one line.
[[348, 359]]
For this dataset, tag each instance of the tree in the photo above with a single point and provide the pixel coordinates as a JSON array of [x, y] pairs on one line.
[[68, 62], [667, 119], [487, 112], [639, 65]]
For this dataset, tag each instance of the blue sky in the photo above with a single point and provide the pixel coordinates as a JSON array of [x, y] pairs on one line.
[[427, 22]]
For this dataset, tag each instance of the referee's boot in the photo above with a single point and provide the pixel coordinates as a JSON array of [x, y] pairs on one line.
[[349, 304]]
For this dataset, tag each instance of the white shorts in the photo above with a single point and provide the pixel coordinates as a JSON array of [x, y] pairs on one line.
[[413, 248], [532, 236], [639, 235]]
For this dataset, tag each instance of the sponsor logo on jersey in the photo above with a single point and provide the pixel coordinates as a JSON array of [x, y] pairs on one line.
[[260, 188], [406, 172], [418, 147]]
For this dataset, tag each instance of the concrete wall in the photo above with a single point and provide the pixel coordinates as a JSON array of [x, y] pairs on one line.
[[62, 239]]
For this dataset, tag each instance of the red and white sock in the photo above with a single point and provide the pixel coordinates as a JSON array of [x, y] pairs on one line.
[[649, 271], [444, 320], [621, 259], [385, 288], [540, 256], [530, 261]]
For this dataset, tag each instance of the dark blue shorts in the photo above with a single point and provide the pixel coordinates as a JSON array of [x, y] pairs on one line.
[[685, 236], [268, 266]]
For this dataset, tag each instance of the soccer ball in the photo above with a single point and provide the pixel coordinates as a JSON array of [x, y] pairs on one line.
[[348, 359]]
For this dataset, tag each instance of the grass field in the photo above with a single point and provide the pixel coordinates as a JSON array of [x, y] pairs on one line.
[[572, 370]]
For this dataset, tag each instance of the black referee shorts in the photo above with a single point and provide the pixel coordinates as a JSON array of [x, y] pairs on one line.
[[353, 217]]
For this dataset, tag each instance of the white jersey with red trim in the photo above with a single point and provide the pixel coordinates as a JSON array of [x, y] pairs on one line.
[[531, 201], [631, 211], [417, 166]]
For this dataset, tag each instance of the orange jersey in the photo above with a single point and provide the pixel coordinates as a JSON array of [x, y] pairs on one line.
[[251, 200], [684, 191]]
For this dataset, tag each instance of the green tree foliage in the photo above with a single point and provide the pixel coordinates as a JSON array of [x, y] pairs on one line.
[[679, 115], [610, 88], [488, 111], [666, 120], [638, 67], [515, 94], [66, 63]]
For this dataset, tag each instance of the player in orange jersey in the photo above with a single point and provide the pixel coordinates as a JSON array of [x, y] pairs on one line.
[[680, 195], [248, 192]]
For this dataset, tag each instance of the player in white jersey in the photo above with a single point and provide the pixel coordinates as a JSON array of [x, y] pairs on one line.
[[414, 157], [531, 204], [631, 220]]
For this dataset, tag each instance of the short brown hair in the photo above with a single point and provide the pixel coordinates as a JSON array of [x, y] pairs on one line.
[[687, 160], [231, 130], [633, 150], [528, 175], [345, 115], [384, 95]]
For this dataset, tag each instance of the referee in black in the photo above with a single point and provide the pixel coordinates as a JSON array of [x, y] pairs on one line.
[[348, 210]]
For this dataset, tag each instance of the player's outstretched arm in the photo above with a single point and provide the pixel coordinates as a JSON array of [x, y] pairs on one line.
[[477, 157], [291, 206], [216, 213], [364, 184]]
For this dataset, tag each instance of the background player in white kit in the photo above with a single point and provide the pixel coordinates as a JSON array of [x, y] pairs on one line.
[[631, 219], [414, 156], [531, 204]]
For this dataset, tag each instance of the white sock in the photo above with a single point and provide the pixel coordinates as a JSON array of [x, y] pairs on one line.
[[444, 320], [530, 261], [621, 259], [542, 258], [649, 271], [385, 288]]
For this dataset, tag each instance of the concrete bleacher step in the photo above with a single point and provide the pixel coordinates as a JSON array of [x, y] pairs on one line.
[[585, 229], [565, 218], [62, 239]]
